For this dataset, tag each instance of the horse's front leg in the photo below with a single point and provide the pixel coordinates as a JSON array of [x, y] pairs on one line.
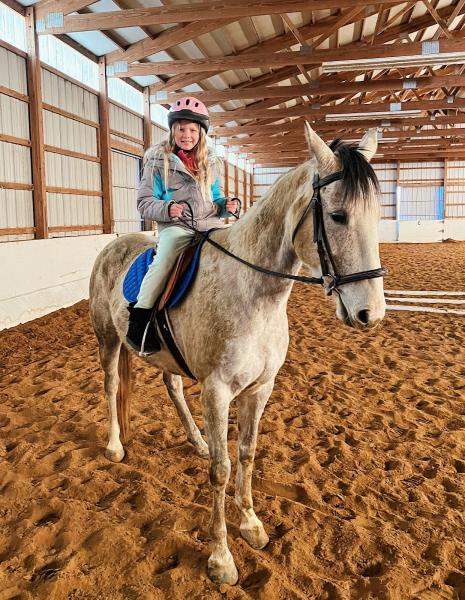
[[175, 390], [250, 406], [216, 398]]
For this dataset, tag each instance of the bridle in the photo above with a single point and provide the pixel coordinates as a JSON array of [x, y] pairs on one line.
[[329, 280]]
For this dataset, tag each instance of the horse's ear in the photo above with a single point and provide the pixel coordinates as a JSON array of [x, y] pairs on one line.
[[320, 150], [369, 143]]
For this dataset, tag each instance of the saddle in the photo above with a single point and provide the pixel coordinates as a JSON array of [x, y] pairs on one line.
[[177, 286]]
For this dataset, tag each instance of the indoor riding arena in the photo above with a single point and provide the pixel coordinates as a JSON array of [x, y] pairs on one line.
[[359, 469]]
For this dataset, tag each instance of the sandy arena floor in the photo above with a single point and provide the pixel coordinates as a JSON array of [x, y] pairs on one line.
[[359, 478]]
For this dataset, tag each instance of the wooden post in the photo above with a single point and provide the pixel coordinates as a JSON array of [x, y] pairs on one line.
[[226, 173], [251, 190], [244, 186], [34, 83], [446, 183], [147, 224], [236, 181], [147, 121], [105, 148]]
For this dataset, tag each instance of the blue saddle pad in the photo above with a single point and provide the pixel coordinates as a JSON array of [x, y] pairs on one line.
[[136, 273], [138, 269]]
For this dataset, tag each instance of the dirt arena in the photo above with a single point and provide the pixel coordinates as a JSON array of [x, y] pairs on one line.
[[359, 478]]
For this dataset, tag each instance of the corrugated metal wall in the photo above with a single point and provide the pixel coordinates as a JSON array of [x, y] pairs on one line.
[[74, 196], [421, 191], [16, 202], [387, 176], [454, 201], [264, 177], [73, 184], [125, 171], [127, 134]]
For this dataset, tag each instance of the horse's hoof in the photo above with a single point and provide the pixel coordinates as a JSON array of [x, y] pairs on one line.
[[115, 455], [255, 537], [224, 570]]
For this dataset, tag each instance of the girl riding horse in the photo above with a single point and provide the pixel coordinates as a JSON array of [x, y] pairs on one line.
[[181, 170]]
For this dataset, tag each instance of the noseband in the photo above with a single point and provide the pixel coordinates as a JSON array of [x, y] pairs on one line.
[[329, 280]]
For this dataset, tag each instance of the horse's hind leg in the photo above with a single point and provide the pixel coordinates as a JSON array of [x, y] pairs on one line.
[[250, 406], [175, 390], [109, 349]]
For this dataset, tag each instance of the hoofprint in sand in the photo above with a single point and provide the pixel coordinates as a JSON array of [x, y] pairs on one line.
[[360, 470]]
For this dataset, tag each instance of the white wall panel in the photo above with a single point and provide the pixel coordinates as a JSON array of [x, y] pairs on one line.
[[126, 122], [159, 134], [419, 203], [13, 71], [66, 133], [15, 163], [69, 96], [420, 172], [70, 172], [16, 211], [70, 209], [125, 182], [14, 117]]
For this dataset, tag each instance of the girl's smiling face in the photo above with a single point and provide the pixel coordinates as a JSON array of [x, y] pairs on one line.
[[186, 134]]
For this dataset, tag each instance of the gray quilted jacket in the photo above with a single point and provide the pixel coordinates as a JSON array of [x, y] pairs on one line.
[[154, 197]]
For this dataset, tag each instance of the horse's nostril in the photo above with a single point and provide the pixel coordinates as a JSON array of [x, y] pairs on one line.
[[364, 316]]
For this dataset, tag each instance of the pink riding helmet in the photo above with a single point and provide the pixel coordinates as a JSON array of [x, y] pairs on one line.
[[190, 109]]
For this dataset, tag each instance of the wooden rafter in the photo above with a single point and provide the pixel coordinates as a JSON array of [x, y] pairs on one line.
[[65, 7], [287, 58], [318, 88], [179, 81], [206, 11]]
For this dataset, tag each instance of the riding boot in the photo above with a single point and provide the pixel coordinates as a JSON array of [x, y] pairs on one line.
[[140, 325]]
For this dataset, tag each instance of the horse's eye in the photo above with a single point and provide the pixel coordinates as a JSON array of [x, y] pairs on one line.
[[340, 217]]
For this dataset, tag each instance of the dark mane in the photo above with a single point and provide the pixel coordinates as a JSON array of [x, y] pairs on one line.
[[358, 176]]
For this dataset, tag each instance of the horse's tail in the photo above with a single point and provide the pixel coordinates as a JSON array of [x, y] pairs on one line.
[[124, 392]]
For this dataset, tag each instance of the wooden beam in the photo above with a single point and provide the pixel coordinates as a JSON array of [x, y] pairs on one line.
[[318, 87], [65, 7], [105, 149], [179, 81], [16, 6], [166, 39], [315, 111], [265, 60], [34, 82], [272, 45], [187, 13], [442, 24], [298, 124]]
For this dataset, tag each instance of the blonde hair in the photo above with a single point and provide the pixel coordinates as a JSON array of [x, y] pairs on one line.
[[203, 174]]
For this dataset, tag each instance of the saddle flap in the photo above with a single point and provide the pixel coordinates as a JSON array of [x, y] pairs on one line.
[[178, 271]]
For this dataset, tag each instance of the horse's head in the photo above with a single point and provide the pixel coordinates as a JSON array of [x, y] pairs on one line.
[[338, 235]]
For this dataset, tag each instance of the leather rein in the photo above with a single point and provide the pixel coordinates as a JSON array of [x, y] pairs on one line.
[[329, 280]]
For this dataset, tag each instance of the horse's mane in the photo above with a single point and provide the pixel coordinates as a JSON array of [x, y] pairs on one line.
[[359, 179]]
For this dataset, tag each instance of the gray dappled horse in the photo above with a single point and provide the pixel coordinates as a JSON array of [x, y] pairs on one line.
[[232, 328]]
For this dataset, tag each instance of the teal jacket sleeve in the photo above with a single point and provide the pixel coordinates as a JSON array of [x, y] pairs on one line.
[[219, 199]]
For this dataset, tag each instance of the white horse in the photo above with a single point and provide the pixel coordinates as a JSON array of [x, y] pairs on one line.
[[232, 328]]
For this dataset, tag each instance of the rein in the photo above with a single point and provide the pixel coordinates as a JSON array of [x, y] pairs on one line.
[[330, 281]]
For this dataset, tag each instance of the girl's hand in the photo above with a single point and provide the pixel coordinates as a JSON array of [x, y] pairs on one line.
[[231, 206], [175, 210]]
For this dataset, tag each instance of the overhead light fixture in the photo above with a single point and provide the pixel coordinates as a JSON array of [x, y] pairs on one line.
[[418, 60], [373, 115]]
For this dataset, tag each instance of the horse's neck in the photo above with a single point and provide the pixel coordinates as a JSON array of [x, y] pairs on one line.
[[263, 236]]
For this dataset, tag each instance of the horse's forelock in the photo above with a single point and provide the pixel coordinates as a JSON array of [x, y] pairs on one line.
[[359, 179]]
